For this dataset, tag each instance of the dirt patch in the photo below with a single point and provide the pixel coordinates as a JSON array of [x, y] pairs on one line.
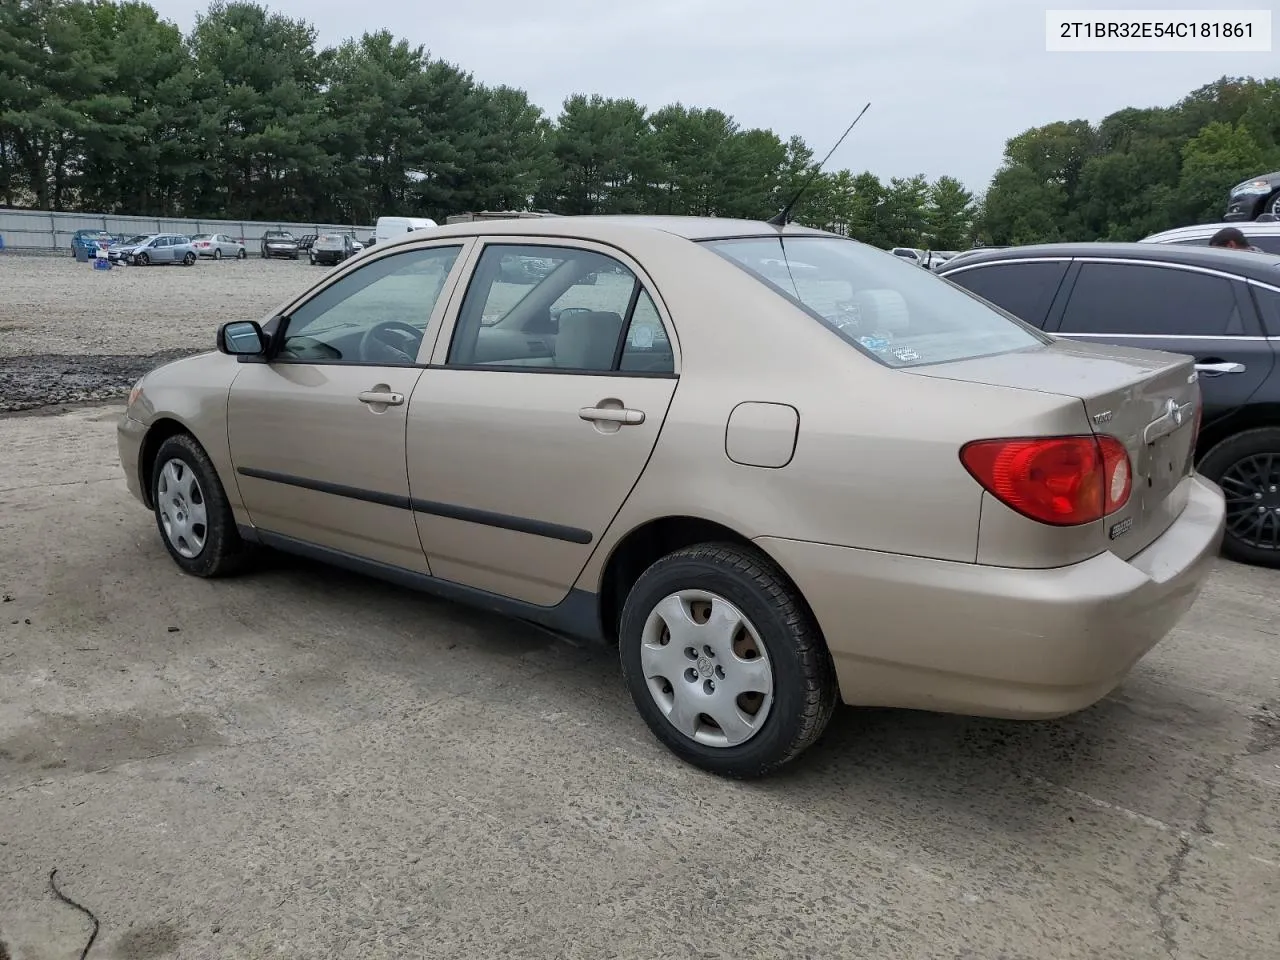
[[149, 942], [85, 742]]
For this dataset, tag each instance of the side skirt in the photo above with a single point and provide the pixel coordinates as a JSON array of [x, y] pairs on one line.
[[576, 616]]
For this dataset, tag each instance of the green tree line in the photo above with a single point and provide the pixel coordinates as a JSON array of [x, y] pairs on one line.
[[106, 107]]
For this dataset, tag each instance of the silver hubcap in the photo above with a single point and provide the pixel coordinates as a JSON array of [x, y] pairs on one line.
[[182, 510], [706, 668]]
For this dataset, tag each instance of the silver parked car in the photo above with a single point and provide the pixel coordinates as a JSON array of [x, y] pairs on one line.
[[218, 245], [161, 248], [119, 250]]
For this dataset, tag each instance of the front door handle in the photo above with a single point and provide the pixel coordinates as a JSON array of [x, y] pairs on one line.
[[611, 415], [1213, 369], [379, 396]]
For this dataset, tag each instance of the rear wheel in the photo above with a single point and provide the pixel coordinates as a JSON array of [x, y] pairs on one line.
[[724, 661], [189, 259], [217, 253], [1247, 467], [242, 254], [192, 512]]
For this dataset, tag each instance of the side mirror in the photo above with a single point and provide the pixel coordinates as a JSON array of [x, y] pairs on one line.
[[242, 338]]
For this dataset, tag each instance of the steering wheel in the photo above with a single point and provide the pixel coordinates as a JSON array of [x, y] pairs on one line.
[[400, 347]]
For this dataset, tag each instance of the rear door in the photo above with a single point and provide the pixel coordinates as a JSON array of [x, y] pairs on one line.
[[1024, 288], [536, 419], [1193, 311]]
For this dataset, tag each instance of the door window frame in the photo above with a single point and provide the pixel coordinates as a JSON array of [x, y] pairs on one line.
[[1052, 309], [1244, 303], [444, 341], [435, 321]]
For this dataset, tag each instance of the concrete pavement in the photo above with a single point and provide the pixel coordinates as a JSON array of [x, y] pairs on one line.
[[301, 762]]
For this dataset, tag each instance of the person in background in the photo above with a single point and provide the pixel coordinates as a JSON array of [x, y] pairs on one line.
[[1232, 239]]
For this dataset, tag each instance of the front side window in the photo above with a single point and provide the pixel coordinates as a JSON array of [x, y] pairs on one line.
[[1024, 288], [887, 308], [558, 308], [1148, 300], [375, 315], [1268, 244]]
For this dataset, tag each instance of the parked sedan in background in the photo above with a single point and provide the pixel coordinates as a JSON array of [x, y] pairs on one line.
[[90, 241], [331, 248], [160, 248], [218, 245], [856, 483], [1257, 195], [1221, 307], [279, 243]]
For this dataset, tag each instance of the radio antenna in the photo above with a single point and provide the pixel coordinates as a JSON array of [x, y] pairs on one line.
[[782, 218]]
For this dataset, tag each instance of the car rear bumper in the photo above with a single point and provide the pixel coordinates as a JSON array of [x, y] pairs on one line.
[[998, 641]]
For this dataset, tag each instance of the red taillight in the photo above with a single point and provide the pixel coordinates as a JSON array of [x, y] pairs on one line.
[[1063, 481]]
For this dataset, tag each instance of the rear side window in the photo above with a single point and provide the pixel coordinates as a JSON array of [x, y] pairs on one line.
[[884, 306], [1130, 299], [1269, 243], [1026, 288], [1269, 306]]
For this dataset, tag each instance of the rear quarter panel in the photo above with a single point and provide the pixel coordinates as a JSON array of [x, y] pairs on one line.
[[876, 464]]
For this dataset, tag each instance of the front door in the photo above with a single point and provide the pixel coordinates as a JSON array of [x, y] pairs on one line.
[[317, 434], [1168, 307], [530, 430]]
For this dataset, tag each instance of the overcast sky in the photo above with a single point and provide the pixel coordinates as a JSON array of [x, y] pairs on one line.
[[949, 81]]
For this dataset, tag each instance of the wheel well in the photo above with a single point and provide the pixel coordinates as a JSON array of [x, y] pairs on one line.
[[158, 433], [1246, 418], [642, 547]]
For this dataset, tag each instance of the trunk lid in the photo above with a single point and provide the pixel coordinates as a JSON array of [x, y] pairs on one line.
[[1146, 399]]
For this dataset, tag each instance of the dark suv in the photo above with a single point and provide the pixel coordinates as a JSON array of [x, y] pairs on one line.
[[279, 243], [1220, 306]]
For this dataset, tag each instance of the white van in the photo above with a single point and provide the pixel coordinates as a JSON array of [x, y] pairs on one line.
[[389, 227]]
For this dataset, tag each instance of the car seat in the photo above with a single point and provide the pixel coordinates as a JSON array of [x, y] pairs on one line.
[[587, 340]]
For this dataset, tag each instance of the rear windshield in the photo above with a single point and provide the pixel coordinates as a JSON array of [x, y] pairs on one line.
[[887, 308]]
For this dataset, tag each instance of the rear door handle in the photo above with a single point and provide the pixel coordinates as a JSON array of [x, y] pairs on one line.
[[378, 396], [1213, 369], [611, 415]]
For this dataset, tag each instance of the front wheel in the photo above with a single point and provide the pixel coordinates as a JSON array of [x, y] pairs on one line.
[[217, 253], [143, 259], [1247, 468], [1273, 206], [724, 661], [242, 254], [192, 512]]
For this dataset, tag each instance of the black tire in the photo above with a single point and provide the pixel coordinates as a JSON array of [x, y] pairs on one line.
[[242, 254], [223, 552], [1273, 204], [805, 690], [1217, 465], [217, 253], [143, 259], [189, 259]]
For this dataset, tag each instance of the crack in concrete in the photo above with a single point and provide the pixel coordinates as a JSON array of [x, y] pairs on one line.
[[1166, 890]]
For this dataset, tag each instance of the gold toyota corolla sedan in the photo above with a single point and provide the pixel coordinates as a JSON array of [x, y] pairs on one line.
[[778, 468]]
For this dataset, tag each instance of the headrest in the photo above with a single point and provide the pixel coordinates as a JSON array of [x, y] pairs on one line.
[[881, 310]]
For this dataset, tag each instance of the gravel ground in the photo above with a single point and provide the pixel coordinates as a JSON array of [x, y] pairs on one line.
[[69, 333]]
